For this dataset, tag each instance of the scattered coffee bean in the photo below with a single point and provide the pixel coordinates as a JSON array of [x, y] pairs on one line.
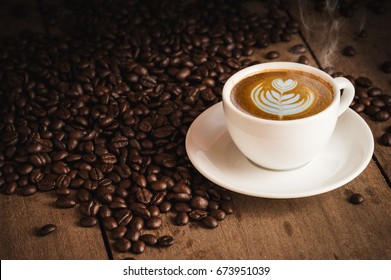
[[363, 82], [149, 239], [349, 51], [182, 219], [356, 198], [298, 49], [122, 245], [47, 229], [303, 59], [272, 55], [65, 202], [88, 221], [165, 241], [210, 222], [138, 247]]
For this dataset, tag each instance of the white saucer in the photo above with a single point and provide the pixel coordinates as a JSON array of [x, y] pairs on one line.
[[212, 151]]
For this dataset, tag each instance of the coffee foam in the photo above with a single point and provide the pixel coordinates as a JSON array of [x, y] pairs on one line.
[[279, 98], [282, 94]]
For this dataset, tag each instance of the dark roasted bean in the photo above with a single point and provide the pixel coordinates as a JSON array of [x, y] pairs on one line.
[[356, 198], [272, 55], [29, 190], [133, 234], [122, 245], [165, 241], [199, 202], [227, 206], [218, 214], [65, 202], [363, 82], [298, 49], [210, 222], [47, 229], [88, 221], [138, 247], [182, 219], [149, 239], [386, 139]]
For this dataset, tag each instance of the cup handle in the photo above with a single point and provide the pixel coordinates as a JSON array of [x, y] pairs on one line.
[[348, 93]]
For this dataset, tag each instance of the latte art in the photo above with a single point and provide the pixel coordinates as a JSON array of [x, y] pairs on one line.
[[282, 95], [278, 98]]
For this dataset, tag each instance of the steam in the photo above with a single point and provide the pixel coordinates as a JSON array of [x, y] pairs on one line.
[[324, 26]]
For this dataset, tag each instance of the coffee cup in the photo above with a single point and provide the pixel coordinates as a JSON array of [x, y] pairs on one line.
[[280, 115]]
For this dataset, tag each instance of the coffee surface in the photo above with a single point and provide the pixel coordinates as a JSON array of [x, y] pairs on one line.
[[282, 95]]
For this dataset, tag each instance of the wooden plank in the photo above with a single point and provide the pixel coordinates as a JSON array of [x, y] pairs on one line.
[[19, 15], [22, 216], [371, 52], [325, 226]]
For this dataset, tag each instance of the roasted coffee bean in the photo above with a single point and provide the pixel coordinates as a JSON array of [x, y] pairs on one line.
[[47, 229], [96, 174], [89, 208], [182, 219], [272, 55], [36, 176], [25, 169], [143, 195], [165, 206], [10, 187], [227, 206], [210, 222], [60, 168], [363, 82], [118, 232], [381, 116], [83, 195], [47, 183], [218, 214], [197, 215], [133, 234], [356, 198], [199, 202], [158, 185], [65, 202], [349, 51], [138, 247], [29, 190], [386, 66], [358, 107], [122, 245], [35, 148], [88, 221], [386, 139], [141, 181], [149, 239], [375, 92], [63, 192], [298, 49], [109, 223], [137, 223], [165, 241], [153, 223], [303, 59], [63, 181]]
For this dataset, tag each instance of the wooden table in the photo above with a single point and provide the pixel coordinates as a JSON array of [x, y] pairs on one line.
[[325, 226]]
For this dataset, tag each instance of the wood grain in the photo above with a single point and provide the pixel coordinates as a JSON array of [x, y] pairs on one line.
[[20, 219]]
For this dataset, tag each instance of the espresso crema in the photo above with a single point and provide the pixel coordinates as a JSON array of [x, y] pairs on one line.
[[282, 95]]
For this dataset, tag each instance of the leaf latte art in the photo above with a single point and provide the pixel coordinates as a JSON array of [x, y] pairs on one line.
[[278, 98]]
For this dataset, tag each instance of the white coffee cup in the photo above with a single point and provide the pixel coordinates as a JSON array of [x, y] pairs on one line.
[[284, 144]]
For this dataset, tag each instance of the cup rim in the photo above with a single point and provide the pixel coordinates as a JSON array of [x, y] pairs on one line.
[[258, 68]]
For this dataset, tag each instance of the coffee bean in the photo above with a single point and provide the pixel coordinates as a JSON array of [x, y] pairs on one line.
[[227, 206], [381, 116], [10, 187], [47, 229], [298, 49], [25, 169], [349, 51], [88, 221], [122, 245], [356, 198], [218, 214], [35, 148], [149, 239], [137, 223], [197, 215], [210, 222], [63, 192], [165, 241], [374, 92], [96, 174], [153, 223], [29, 190], [109, 223], [65, 202], [47, 183], [272, 55], [303, 59], [63, 181], [118, 232], [358, 107], [36, 176], [386, 66], [363, 82], [199, 202], [138, 247], [386, 139], [60, 168], [182, 219]]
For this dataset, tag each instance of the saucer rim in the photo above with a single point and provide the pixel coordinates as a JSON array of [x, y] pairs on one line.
[[367, 156]]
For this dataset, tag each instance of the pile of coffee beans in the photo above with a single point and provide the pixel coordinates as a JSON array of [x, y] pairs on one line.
[[99, 113]]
